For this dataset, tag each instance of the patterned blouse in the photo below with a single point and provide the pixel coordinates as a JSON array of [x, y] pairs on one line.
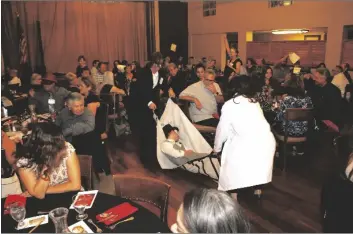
[[58, 175], [265, 98], [295, 128]]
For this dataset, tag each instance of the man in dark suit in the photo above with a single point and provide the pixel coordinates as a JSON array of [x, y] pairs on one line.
[[325, 96], [147, 95], [175, 83]]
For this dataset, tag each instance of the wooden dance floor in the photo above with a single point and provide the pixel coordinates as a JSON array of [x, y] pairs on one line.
[[291, 203]]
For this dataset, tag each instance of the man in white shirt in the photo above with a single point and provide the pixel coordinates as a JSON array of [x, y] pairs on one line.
[[339, 79], [204, 96]]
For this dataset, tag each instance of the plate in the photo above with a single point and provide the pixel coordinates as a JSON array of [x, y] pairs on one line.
[[89, 195], [31, 222], [80, 227]]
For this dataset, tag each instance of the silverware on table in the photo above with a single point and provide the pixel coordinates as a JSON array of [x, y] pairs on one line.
[[123, 221], [42, 212], [98, 230]]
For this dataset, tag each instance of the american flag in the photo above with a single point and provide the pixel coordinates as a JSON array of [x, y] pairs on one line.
[[22, 42]]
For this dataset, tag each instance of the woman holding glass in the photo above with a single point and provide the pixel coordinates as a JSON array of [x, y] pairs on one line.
[[47, 163]]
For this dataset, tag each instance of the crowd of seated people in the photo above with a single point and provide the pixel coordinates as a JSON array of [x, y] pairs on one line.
[[80, 114]]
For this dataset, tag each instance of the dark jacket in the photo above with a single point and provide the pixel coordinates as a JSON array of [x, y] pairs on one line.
[[328, 102], [143, 92], [40, 100], [177, 83]]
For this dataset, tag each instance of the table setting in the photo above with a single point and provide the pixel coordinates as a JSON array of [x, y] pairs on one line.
[[82, 212]]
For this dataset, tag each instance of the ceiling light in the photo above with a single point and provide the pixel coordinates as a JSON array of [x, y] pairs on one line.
[[290, 31]]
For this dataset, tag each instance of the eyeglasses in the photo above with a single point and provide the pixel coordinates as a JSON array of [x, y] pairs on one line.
[[210, 80]]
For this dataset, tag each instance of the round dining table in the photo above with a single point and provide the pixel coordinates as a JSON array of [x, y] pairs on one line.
[[144, 220]]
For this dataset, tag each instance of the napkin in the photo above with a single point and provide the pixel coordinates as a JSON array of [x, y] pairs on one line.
[[117, 213], [21, 200]]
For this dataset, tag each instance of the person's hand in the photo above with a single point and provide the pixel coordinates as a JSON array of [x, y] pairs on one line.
[[212, 88], [104, 136], [45, 170], [307, 76], [31, 92], [152, 106], [122, 92], [161, 92], [171, 93], [188, 153], [198, 104], [121, 105]]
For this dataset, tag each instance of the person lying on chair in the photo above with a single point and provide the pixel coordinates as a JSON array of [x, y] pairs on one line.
[[187, 159]]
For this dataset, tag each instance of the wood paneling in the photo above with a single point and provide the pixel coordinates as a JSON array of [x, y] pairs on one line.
[[347, 52], [311, 53]]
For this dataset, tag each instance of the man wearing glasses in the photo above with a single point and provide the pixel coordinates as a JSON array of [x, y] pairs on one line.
[[204, 96]]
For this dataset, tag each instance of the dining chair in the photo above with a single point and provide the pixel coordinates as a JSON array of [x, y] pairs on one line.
[[144, 189], [86, 170], [293, 114]]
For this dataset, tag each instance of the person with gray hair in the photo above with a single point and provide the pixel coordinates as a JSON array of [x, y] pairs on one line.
[[75, 119], [204, 96], [326, 97], [210, 211], [175, 83]]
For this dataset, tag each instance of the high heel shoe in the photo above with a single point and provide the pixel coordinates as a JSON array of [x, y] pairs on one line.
[[258, 193]]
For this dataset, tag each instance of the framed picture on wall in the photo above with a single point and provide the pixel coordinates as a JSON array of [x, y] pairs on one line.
[[209, 8]]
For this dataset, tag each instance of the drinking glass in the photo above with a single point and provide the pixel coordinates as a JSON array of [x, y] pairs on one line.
[[80, 209], [18, 213]]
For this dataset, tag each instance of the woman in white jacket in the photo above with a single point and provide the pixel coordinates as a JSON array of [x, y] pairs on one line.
[[249, 146]]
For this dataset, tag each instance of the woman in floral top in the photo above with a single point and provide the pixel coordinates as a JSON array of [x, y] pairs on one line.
[[47, 164], [295, 97], [265, 97]]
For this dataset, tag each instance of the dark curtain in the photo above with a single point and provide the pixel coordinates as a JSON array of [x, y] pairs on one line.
[[40, 67], [150, 31], [9, 37]]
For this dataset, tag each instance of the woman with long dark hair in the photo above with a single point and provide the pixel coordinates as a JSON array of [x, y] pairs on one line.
[[267, 86], [249, 146], [210, 211], [47, 163]]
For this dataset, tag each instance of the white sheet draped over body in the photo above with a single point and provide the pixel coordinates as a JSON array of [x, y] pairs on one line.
[[249, 145], [190, 138]]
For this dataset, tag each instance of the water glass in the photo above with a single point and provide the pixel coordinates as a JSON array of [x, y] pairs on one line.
[[18, 213]]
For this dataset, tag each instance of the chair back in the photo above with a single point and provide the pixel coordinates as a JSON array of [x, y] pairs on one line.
[[144, 189], [299, 114], [86, 171]]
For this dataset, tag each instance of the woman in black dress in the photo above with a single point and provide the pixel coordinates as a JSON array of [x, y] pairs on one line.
[[92, 102], [81, 64]]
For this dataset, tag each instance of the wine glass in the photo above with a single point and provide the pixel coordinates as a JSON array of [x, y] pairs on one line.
[[80, 209], [18, 213]]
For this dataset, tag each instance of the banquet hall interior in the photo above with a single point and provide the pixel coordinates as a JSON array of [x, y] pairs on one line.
[[177, 116]]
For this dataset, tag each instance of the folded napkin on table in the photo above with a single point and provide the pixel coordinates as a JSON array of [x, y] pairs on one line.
[[117, 213], [12, 199]]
